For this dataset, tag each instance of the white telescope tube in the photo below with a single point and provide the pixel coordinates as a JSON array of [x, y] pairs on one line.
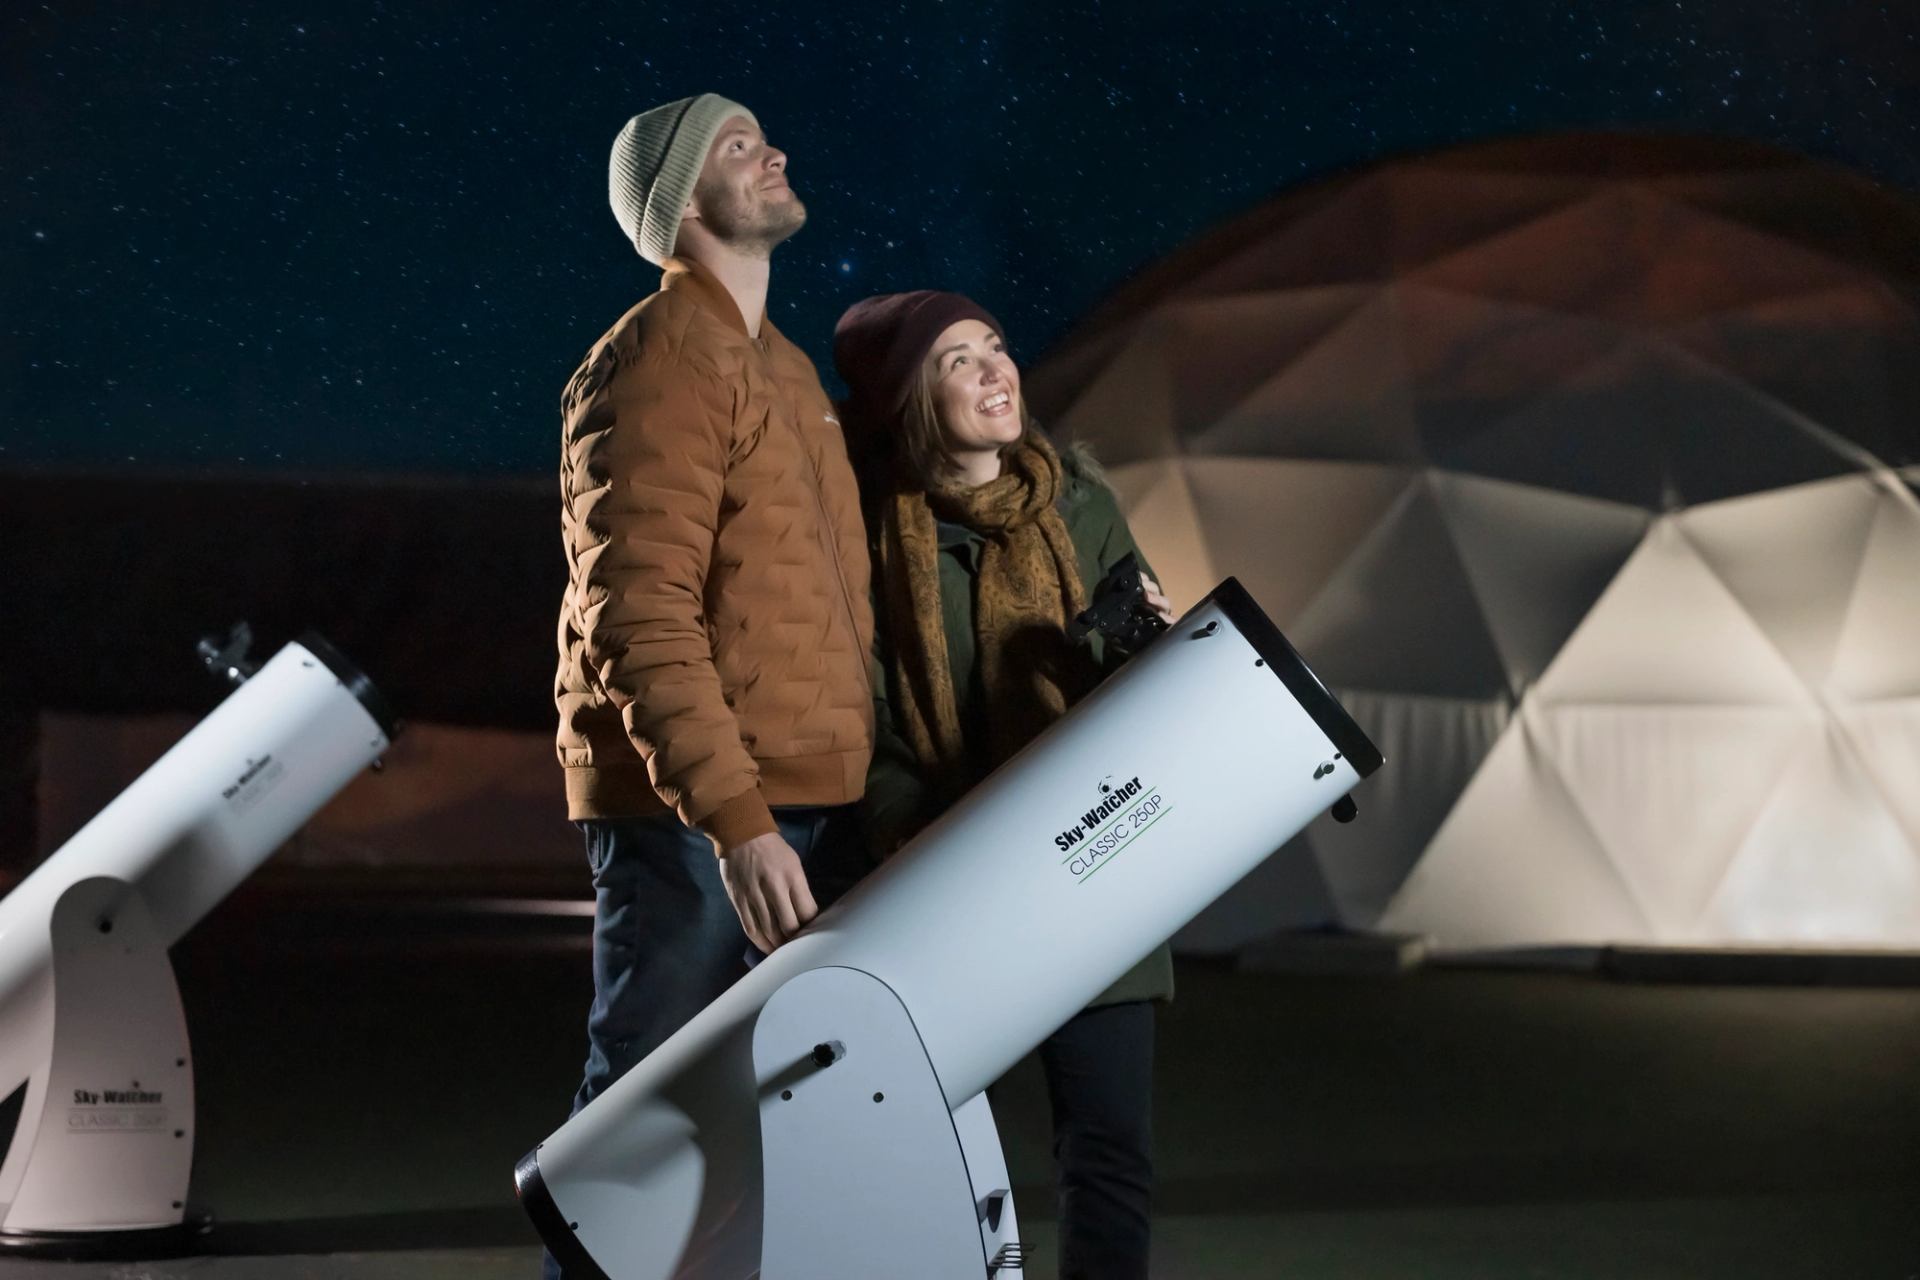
[[1186, 768], [188, 830], [212, 809]]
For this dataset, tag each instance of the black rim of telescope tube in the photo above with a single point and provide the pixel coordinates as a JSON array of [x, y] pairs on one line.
[[545, 1215], [356, 681], [1285, 662]]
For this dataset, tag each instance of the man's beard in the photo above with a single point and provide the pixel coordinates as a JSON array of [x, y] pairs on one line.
[[749, 225]]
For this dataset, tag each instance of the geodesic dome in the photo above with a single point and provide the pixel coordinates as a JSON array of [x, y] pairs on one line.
[[1583, 470]]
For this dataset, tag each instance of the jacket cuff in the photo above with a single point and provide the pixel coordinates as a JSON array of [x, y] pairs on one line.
[[738, 820]]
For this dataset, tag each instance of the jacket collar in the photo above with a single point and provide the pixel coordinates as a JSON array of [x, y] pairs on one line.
[[684, 275]]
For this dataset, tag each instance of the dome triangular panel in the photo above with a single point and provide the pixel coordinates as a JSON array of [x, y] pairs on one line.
[[1400, 614], [1286, 528], [1791, 558], [1825, 862], [1671, 794], [1879, 651], [1515, 864], [1537, 561], [1667, 632]]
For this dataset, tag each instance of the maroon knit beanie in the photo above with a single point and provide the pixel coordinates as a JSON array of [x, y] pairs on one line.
[[880, 341]]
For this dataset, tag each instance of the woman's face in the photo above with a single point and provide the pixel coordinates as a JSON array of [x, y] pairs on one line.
[[976, 389]]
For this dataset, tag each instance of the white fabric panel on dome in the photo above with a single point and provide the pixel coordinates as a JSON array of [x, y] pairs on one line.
[[1629, 254], [1846, 354], [1491, 354], [1885, 737], [1340, 236], [1791, 558], [1537, 561], [1771, 197], [1347, 396], [1667, 631], [1221, 350], [1126, 410], [1075, 367], [1842, 303], [1515, 864], [1435, 745], [1677, 431], [1400, 614], [1879, 654], [1159, 509], [1825, 862], [1670, 792], [1282, 528], [1436, 212]]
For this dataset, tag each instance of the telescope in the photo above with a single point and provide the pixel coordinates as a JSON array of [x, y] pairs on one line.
[[826, 1115], [90, 1015]]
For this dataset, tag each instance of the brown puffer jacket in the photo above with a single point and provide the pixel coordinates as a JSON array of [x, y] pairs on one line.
[[715, 634]]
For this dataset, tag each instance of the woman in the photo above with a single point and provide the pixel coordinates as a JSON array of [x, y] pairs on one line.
[[986, 543]]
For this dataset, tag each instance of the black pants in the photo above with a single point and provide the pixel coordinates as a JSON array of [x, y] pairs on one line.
[[1099, 1069]]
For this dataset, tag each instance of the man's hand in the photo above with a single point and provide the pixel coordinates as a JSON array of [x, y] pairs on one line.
[[768, 888], [1156, 599]]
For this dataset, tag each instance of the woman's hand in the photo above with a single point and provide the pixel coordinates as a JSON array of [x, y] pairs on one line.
[[1156, 600]]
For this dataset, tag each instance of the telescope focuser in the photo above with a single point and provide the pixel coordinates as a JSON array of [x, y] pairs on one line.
[[229, 661]]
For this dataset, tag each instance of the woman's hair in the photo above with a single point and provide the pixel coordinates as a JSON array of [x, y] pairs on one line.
[[920, 442]]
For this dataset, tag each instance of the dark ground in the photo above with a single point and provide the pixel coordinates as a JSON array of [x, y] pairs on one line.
[[369, 1074]]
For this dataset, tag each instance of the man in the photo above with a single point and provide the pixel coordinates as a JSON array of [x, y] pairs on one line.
[[715, 710]]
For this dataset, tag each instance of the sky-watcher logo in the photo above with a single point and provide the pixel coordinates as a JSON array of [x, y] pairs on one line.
[[255, 781], [133, 1110], [1124, 811], [253, 770], [1111, 801], [118, 1098]]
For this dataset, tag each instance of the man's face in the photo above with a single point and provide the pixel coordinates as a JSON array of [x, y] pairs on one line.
[[742, 197]]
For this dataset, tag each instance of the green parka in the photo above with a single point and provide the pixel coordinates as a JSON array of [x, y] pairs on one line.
[[899, 802]]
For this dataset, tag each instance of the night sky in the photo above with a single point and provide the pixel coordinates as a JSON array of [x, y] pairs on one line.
[[332, 237]]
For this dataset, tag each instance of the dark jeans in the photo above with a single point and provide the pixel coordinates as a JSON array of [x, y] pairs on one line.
[[1099, 1069], [666, 939]]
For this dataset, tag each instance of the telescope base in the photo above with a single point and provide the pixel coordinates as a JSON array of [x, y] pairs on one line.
[[867, 1171], [104, 1143]]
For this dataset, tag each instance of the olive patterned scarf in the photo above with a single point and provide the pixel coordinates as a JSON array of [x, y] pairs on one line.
[[1028, 588]]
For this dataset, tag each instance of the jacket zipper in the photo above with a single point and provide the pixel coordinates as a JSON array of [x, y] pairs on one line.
[[839, 565]]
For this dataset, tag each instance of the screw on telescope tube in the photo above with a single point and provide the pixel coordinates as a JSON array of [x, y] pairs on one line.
[[879, 1097], [828, 1052]]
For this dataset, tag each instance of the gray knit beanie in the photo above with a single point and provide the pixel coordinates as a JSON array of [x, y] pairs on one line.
[[656, 160]]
